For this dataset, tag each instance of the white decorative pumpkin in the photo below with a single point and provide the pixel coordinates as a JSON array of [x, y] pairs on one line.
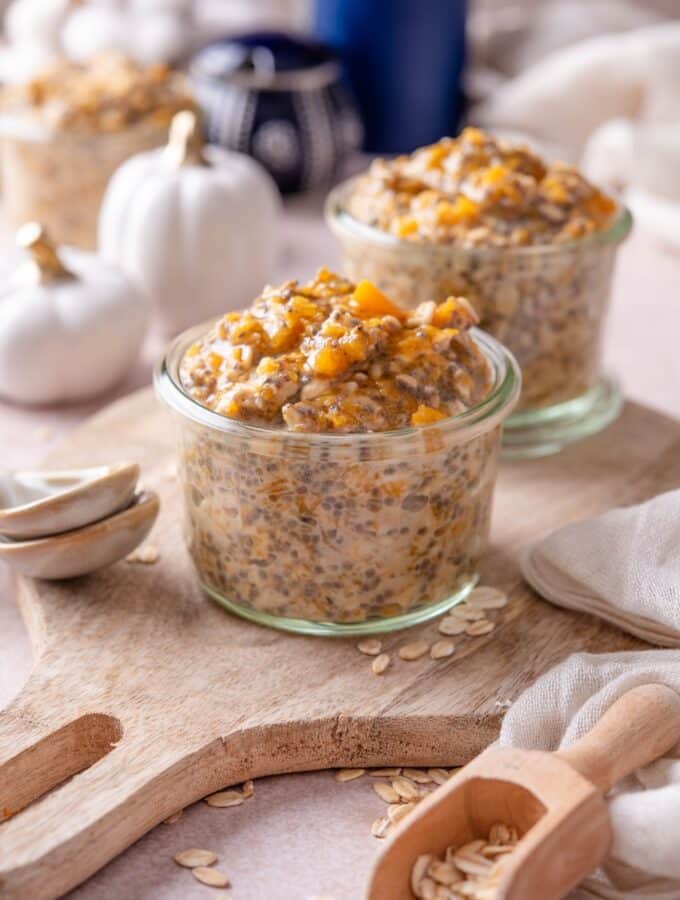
[[196, 227], [70, 325], [147, 35], [36, 21]]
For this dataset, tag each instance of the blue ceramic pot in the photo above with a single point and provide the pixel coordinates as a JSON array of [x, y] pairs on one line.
[[280, 99]]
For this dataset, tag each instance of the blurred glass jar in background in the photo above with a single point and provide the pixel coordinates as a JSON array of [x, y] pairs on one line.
[[67, 130]]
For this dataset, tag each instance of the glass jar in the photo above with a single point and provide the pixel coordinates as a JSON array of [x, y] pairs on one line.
[[58, 178], [338, 533], [547, 303]]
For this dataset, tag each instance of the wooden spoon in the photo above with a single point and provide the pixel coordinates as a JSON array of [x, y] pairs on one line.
[[554, 800]]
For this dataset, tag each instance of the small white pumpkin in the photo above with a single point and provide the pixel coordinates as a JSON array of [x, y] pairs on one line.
[[70, 325], [197, 227]]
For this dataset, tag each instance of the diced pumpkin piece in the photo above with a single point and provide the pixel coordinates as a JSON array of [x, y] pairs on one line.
[[367, 300], [267, 366], [426, 415], [215, 361], [405, 226], [329, 361], [462, 209]]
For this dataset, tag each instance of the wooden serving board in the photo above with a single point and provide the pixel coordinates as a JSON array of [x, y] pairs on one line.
[[146, 695]]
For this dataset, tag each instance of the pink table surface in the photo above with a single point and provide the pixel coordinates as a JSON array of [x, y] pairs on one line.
[[304, 836]]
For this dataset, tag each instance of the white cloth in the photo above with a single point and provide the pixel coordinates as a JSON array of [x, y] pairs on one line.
[[561, 707], [623, 566]]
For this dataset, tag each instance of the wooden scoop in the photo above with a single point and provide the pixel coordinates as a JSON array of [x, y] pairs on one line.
[[554, 800]]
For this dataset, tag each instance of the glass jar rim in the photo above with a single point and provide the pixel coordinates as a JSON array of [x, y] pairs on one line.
[[344, 224], [482, 417]]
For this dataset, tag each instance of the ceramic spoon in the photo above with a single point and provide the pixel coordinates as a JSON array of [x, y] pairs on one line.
[[35, 504], [85, 549], [554, 800]]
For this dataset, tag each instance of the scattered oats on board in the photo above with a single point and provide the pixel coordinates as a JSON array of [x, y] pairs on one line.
[[148, 554], [370, 646], [248, 788], [211, 877], [487, 598], [380, 827], [414, 650], [225, 799], [193, 857], [442, 649], [385, 773], [476, 629], [451, 625], [417, 775], [405, 788], [386, 792], [439, 776], [343, 775], [380, 664]]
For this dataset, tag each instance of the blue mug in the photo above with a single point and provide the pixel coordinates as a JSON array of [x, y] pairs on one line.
[[404, 60]]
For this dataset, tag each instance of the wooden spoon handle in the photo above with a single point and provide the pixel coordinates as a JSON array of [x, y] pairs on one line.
[[638, 728]]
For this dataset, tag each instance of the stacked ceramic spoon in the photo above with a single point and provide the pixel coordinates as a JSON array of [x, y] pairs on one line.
[[69, 523]]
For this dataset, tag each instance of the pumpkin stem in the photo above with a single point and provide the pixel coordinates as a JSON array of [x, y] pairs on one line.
[[47, 265], [185, 143]]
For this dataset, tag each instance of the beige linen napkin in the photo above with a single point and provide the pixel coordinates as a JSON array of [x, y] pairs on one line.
[[623, 566], [561, 707]]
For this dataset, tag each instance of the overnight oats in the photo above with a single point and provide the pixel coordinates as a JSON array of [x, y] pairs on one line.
[[531, 244], [67, 130], [338, 454]]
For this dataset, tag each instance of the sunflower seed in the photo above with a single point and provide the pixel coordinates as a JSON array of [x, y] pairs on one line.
[[414, 650], [385, 773], [370, 646], [211, 877], [343, 775], [195, 857]]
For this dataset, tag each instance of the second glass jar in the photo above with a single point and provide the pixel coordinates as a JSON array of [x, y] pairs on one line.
[[546, 303]]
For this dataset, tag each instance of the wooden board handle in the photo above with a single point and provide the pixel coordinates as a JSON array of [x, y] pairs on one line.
[[638, 728]]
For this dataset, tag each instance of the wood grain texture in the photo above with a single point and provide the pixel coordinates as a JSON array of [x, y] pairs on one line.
[[190, 699]]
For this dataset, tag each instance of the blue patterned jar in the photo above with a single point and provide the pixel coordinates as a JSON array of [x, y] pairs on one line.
[[280, 99]]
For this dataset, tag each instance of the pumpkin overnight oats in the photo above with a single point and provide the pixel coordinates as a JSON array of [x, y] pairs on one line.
[[68, 129], [338, 454], [531, 244]]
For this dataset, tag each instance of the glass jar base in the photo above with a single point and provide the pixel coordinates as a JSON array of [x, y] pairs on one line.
[[541, 432], [342, 629]]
